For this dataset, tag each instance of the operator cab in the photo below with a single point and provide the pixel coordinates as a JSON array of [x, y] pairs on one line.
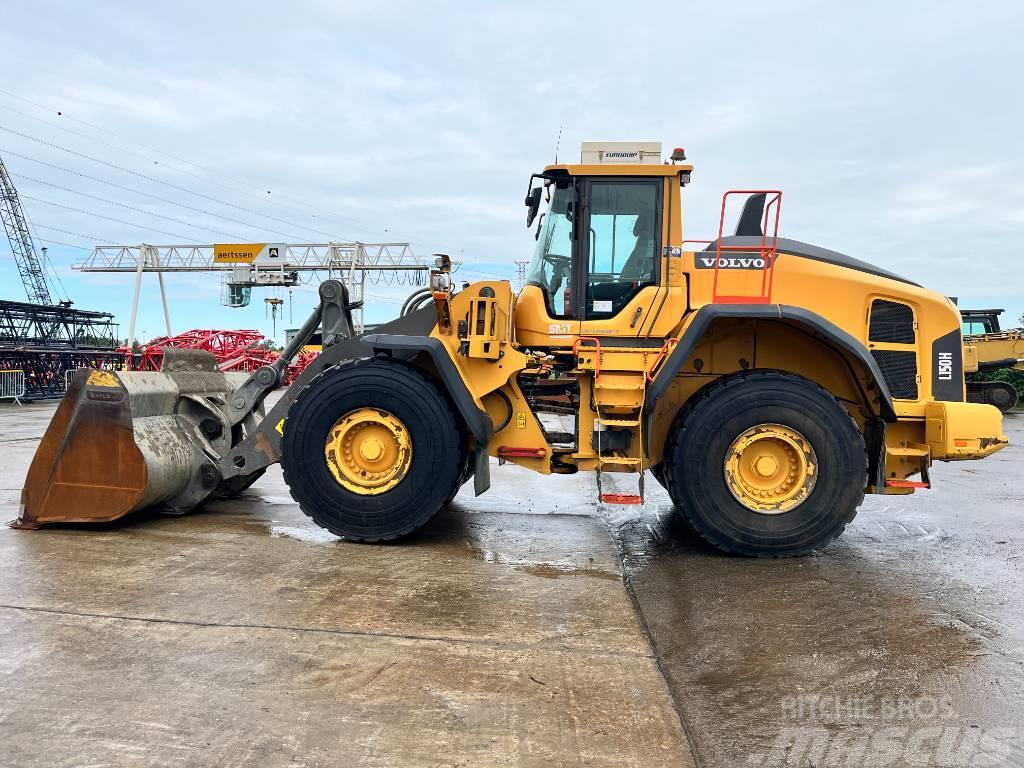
[[980, 321], [601, 240]]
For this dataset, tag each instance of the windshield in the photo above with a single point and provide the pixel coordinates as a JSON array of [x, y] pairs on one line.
[[552, 260]]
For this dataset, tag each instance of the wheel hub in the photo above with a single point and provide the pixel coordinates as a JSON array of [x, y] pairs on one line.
[[368, 451], [770, 468]]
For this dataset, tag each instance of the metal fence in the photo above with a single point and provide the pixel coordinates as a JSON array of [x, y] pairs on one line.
[[12, 385], [69, 374]]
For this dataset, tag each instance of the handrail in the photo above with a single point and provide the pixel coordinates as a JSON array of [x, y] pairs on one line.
[[597, 348]]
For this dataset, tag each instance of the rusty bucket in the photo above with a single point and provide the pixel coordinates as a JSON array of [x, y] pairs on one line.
[[126, 440]]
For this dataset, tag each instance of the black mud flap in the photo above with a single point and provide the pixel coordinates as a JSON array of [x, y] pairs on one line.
[[481, 471]]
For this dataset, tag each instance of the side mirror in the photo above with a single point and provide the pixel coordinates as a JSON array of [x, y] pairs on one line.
[[533, 204]]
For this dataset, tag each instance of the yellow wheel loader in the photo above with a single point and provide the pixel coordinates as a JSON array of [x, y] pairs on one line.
[[989, 348], [766, 383]]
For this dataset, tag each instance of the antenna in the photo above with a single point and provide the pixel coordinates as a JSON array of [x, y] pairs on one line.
[[558, 143]]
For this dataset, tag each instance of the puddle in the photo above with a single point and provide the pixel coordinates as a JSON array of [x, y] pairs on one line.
[[268, 499], [544, 568], [309, 535]]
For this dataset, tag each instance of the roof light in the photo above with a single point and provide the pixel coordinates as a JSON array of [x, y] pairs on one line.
[[678, 155]]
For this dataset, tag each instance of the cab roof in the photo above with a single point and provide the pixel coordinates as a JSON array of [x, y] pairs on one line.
[[608, 169]]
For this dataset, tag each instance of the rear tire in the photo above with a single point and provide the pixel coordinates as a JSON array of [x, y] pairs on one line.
[[406, 395], [1001, 394], [704, 438]]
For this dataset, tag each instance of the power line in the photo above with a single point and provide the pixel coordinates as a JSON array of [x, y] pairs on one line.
[[66, 245], [87, 238], [194, 164], [140, 192], [165, 183], [244, 184], [128, 207], [46, 258], [108, 218]]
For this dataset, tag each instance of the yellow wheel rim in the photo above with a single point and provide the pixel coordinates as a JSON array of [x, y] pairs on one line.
[[771, 468], [368, 451]]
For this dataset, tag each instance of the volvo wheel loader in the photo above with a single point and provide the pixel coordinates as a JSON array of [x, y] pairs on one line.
[[766, 383]]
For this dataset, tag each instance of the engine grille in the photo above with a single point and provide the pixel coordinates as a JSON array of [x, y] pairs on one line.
[[891, 322], [899, 369]]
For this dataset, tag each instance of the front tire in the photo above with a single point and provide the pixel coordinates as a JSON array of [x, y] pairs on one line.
[[371, 449], [766, 464]]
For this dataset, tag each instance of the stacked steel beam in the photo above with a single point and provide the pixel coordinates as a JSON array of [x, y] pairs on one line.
[[235, 350], [50, 342], [238, 350]]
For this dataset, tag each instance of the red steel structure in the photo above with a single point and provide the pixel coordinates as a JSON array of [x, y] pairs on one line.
[[239, 350]]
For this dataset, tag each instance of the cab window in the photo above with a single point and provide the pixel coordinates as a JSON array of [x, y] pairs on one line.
[[551, 268], [624, 227]]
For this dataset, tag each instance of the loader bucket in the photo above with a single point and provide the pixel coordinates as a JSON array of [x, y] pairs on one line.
[[125, 440]]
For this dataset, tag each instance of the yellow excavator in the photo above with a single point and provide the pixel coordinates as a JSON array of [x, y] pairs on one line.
[[766, 383], [987, 348]]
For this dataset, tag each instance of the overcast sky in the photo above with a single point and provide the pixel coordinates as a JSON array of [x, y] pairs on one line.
[[894, 129]]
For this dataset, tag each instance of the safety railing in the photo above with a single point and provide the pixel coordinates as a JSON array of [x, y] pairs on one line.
[[759, 257], [12, 385], [68, 376]]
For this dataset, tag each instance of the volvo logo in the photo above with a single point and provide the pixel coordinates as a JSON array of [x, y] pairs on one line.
[[732, 262]]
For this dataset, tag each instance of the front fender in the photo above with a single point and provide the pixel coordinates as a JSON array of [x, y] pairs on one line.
[[477, 421]]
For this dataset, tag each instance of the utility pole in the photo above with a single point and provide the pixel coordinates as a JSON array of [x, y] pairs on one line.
[[521, 273]]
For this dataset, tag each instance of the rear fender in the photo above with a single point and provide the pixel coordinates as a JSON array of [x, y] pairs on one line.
[[827, 331]]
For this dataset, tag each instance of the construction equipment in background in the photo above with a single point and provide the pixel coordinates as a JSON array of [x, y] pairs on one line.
[[273, 304], [47, 342], [30, 267], [44, 340], [767, 383], [988, 348], [244, 266], [234, 351]]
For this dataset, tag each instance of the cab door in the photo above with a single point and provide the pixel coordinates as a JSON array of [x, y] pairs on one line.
[[618, 269]]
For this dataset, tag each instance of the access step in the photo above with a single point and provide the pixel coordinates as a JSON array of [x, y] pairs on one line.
[[625, 460], [621, 498], [614, 422]]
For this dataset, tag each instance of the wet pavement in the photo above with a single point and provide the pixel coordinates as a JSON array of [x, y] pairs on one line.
[[500, 634], [902, 643], [526, 627]]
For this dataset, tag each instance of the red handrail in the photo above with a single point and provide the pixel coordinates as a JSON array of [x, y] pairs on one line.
[[665, 348], [767, 249]]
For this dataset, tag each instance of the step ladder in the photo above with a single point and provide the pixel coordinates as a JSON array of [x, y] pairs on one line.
[[618, 398]]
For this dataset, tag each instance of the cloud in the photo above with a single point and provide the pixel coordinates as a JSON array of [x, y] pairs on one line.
[[404, 120], [982, 192]]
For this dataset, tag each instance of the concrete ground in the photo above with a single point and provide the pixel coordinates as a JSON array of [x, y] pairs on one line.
[[525, 627]]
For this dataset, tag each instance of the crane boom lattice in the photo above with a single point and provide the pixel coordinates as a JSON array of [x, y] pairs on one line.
[[30, 267]]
